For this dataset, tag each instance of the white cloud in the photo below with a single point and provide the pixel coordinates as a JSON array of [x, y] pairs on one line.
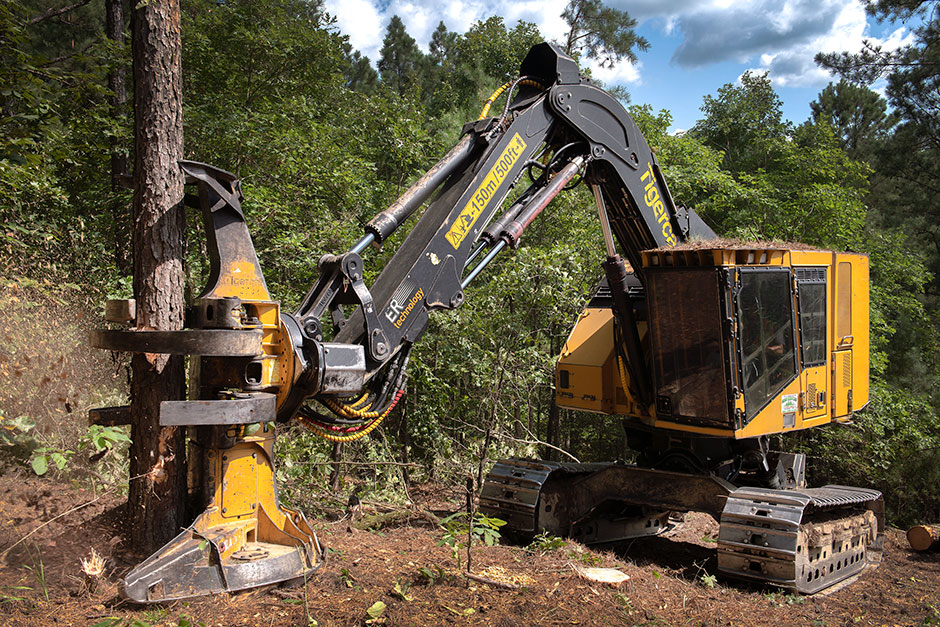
[[360, 20], [623, 72], [777, 36], [796, 67]]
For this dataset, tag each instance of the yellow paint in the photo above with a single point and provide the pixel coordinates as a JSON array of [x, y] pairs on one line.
[[485, 192], [653, 199], [241, 279], [594, 383]]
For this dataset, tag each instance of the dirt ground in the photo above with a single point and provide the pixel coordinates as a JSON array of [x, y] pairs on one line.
[[670, 578]]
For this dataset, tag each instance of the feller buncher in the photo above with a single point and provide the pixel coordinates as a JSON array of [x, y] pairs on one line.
[[705, 348]]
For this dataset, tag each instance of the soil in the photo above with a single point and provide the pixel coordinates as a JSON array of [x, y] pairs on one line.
[[671, 577]]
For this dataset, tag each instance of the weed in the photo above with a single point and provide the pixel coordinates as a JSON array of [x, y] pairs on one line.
[[429, 576], [933, 615], [348, 580], [709, 539], [794, 599], [400, 590], [589, 559], [545, 543], [456, 529], [156, 615], [709, 581], [9, 598], [626, 605]]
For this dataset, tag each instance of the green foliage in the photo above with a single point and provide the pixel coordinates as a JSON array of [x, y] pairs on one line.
[[431, 575], [858, 115], [400, 591], [38, 572], [600, 32], [458, 531], [401, 60], [275, 94], [546, 543]]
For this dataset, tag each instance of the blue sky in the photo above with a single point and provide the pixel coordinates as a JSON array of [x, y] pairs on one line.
[[696, 46]]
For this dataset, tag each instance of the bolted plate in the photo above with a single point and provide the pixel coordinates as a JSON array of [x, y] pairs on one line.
[[208, 342]]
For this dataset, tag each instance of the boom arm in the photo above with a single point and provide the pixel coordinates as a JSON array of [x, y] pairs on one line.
[[559, 125]]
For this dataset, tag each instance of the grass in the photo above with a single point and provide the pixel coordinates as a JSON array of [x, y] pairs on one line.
[[38, 571]]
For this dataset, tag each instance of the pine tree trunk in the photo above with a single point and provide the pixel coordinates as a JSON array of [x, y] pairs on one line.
[[156, 501]]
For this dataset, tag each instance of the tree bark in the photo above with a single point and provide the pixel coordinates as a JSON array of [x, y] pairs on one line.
[[156, 501], [120, 216]]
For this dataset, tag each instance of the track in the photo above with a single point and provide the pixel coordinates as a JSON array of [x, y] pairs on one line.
[[807, 540]]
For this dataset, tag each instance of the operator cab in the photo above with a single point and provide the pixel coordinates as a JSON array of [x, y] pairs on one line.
[[741, 342]]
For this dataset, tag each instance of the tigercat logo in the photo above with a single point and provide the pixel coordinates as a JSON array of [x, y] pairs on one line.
[[488, 188], [654, 201]]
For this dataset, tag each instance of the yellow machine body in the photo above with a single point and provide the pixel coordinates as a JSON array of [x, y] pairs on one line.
[[744, 342]]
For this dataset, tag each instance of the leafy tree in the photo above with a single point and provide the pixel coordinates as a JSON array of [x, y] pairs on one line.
[[745, 122], [907, 174], [401, 60], [600, 32]]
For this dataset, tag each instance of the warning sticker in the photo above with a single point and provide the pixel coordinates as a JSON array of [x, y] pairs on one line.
[[487, 190], [789, 403]]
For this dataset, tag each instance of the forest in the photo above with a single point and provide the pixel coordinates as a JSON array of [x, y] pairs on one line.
[[324, 138]]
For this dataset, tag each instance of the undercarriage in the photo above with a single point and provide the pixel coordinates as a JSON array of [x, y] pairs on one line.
[[806, 540]]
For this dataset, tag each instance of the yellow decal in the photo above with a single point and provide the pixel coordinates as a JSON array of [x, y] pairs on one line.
[[654, 201], [240, 279], [488, 188]]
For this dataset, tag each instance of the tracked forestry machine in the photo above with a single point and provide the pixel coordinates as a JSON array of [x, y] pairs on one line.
[[705, 349]]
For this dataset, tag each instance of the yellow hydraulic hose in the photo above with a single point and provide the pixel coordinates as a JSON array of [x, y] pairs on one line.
[[623, 377], [325, 434], [489, 101]]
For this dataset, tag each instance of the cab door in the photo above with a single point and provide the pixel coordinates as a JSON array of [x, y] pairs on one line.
[[811, 293]]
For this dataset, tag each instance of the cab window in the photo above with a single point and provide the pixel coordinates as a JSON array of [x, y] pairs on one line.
[[765, 324]]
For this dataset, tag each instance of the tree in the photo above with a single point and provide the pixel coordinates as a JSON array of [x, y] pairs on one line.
[[908, 174], [359, 73], [401, 59], [745, 122], [858, 115], [599, 32], [793, 184], [156, 505], [443, 45]]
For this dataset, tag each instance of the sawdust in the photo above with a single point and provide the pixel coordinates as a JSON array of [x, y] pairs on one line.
[[736, 244], [501, 575]]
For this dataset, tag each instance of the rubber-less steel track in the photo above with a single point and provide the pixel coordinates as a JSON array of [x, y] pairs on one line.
[[806, 540]]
